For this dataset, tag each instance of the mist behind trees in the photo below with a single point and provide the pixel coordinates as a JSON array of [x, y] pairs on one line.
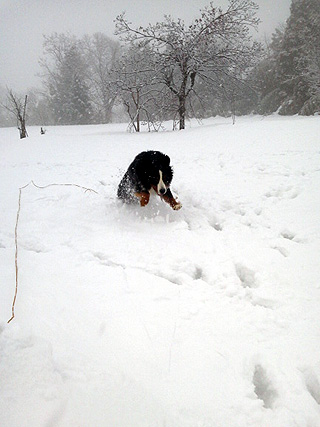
[[171, 71]]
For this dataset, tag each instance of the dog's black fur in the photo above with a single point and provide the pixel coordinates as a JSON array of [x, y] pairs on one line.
[[149, 170]]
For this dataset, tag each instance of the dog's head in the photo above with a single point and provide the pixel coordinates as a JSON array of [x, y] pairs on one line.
[[157, 171], [161, 172]]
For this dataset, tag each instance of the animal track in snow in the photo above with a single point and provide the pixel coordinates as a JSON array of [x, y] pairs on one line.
[[287, 234], [32, 245], [290, 235], [283, 193], [283, 251], [105, 260], [250, 284], [246, 276], [198, 274], [169, 274], [179, 276], [312, 384], [263, 302], [216, 225], [214, 221], [263, 387]]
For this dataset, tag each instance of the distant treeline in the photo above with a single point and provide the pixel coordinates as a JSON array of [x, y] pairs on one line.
[[174, 71]]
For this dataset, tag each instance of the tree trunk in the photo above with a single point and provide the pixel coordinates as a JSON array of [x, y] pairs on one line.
[[107, 109], [182, 112], [183, 96], [138, 112], [19, 109], [22, 122], [23, 130]]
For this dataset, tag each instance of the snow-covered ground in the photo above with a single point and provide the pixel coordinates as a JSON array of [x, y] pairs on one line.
[[134, 317]]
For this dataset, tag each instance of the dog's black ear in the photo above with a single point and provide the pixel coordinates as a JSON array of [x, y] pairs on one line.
[[166, 160]]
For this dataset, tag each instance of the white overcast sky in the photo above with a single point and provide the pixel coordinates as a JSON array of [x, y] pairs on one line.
[[23, 23]]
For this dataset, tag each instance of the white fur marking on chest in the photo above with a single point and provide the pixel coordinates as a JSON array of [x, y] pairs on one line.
[[161, 188]]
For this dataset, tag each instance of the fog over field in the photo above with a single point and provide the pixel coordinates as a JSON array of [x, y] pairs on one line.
[[22, 25]]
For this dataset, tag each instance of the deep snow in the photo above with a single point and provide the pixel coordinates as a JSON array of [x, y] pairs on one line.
[[129, 316]]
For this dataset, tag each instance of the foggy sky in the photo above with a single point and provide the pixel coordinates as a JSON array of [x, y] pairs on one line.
[[23, 23]]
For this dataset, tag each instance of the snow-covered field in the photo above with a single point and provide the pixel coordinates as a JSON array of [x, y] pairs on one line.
[[128, 316]]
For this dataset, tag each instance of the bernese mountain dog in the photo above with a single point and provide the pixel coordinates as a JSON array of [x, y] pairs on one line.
[[150, 171]]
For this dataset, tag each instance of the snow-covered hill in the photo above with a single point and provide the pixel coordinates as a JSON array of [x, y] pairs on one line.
[[135, 317]]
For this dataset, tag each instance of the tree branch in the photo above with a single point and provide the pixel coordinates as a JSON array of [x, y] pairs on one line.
[[16, 235]]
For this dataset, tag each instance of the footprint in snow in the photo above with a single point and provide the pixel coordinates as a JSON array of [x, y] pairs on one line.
[[215, 223], [312, 384], [247, 277], [35, 246], [287, 234], [283, 193], [283, 251], [198, 273], [104, 259], [290, 235], [250, 282], [263, 387]]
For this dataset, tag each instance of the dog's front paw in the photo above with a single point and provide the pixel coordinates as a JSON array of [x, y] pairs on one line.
[[177, 206], [143, 198]]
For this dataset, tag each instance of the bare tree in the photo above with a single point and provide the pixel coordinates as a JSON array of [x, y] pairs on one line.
[[18, 107], [139, 88], [215, 43]]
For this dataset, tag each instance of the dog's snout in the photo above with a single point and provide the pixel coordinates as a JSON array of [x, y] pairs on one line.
[[161, 187]]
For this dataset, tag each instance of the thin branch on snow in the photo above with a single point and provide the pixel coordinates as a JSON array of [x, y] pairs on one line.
[[16, 232], [65, 185]]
